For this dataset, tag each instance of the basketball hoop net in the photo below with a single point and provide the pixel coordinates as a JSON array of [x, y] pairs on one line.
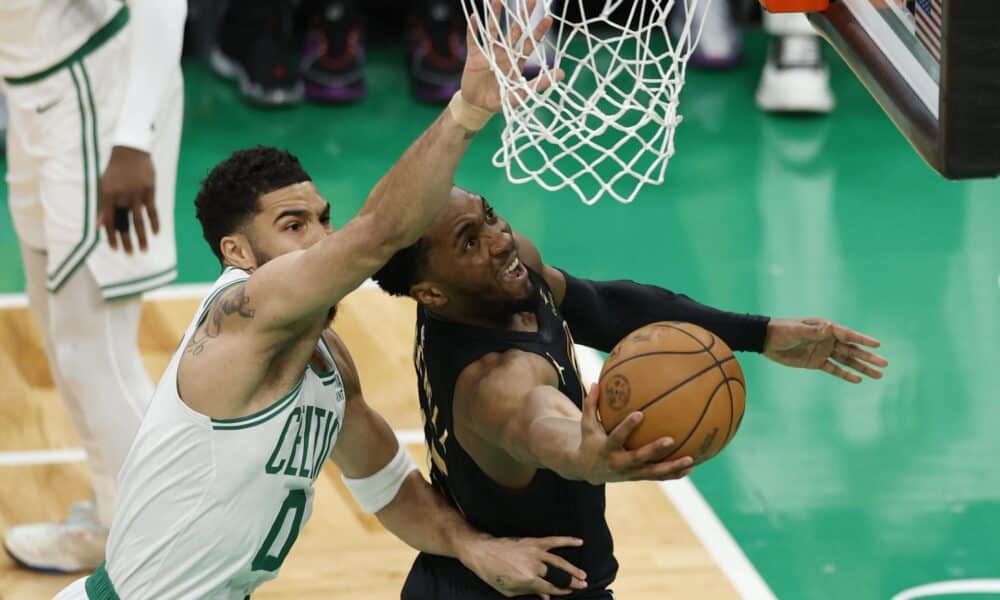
[[608, 127]]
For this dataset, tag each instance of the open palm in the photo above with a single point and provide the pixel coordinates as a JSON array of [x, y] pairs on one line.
[[814, 343], [479, 83]]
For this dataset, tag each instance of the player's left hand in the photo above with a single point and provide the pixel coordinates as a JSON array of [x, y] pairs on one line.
[[814, 343], [518, 566], [127, 187]]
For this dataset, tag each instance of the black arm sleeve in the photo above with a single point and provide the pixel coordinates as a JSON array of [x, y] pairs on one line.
[[601, 313]]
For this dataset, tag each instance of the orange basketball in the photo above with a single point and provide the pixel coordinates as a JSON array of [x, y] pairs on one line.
[[686, 382]]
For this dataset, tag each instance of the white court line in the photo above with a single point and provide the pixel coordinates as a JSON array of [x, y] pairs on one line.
[[51, 456], [699, 515], [683, 494], [950, 588]]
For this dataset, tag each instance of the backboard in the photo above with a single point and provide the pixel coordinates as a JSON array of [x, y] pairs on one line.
[[933, 66]]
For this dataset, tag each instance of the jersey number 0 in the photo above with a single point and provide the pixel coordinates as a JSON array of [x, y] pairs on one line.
[[266, 560]]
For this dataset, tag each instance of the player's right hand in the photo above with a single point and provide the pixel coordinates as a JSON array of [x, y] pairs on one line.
[[479, 84], [126, 188], [519, 566], [606, 459]]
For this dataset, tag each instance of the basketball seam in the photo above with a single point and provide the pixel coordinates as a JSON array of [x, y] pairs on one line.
[[684, 382], [711, 398], [644, 354], [730, 430]]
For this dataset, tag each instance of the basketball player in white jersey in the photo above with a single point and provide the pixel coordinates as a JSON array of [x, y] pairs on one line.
[[219, 480], [95, 97]]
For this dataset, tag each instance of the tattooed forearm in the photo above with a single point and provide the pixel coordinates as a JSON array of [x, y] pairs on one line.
[[233, 302]]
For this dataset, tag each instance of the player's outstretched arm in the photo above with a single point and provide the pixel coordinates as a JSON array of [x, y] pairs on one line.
[[296, 287], [385, 482], [601, 313], [513, 404]]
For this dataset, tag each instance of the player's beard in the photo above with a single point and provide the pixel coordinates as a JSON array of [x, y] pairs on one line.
[[503, 312]]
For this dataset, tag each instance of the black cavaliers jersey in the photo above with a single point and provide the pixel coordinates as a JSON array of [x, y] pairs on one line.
[[549, 505]]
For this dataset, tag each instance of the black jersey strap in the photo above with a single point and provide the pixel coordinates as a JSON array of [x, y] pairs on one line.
[[601, 313]]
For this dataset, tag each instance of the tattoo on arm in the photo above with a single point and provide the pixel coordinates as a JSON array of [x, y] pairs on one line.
[[234, 302], [470, 134]]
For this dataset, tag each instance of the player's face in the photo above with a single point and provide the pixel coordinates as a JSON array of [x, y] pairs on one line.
[[472, 256], [290, 218]]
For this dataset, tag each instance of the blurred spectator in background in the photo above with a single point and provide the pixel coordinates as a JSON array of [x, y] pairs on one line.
[[795, 77], [281, 51]]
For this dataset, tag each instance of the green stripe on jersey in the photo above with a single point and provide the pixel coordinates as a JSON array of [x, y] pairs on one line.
[[260, 416]]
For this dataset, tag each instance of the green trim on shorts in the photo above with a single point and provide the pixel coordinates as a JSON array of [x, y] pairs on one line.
[[99, 586], [116, 24], [81, 251], [131, 287]]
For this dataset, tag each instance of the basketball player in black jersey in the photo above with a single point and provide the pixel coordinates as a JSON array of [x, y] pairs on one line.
[[514, 442]]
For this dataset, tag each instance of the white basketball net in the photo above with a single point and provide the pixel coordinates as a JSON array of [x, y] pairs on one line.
[[608, 127]]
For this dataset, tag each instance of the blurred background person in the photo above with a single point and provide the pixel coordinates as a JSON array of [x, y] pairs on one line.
[[95, 98], [795, 77]]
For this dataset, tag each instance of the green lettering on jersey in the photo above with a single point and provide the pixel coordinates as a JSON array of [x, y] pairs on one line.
[[290, 467], [318, 430], [331, 430], [271, 468], [304, 463]]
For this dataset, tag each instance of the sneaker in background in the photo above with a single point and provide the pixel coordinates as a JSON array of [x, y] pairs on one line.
[[436, 52], [795, 76], [256, 49], [334, 55], [76, 544]]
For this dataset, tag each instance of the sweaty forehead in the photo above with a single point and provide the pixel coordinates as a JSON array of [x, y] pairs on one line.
[[302, 195]]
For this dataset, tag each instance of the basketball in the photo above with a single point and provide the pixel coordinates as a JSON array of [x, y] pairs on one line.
[[686, 382]]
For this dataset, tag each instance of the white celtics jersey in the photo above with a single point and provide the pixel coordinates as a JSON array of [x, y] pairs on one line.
[[209, 508], [37, 34]]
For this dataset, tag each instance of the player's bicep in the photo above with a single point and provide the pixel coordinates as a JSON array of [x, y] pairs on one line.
[[296, 288], [503, 405]]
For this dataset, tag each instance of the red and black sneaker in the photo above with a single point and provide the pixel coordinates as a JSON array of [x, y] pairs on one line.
[[436, 52], [256, 49], [334, 55]]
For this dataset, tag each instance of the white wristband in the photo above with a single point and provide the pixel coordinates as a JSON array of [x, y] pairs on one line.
[[373, 493], [469, 116]]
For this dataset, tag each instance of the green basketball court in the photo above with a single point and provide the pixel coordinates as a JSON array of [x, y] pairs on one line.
[[832, 491]]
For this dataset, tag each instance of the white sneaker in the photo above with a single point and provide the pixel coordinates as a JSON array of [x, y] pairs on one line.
[[721, 42], [795, 77], [76, 544]]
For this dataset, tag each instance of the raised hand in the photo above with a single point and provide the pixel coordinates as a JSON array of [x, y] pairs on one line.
[[814, 343], [604, 458], [479, 84], [517, 566]]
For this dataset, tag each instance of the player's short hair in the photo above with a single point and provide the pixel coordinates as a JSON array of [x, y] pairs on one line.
[[229, 194], [403, 270]]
